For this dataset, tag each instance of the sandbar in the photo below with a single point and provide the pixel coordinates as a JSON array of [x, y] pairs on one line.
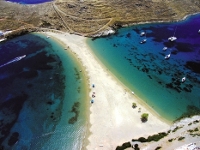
[[112, 119]]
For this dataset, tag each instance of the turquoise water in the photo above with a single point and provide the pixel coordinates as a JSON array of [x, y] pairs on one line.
[[42, 96], [144, 70]]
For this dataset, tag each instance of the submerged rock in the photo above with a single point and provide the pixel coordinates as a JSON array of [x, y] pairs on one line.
[[13, 139]]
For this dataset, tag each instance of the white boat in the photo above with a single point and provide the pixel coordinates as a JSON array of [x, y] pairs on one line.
[[143, 41], [173, 38], [164, 48], [167, 56], [19, 58], [14, 60], [142, 33], [183, 79], [199, 31], [132, 92], [48, 37]]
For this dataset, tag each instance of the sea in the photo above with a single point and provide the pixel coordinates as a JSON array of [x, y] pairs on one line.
[[143, 69], [43, 96], [25, 2]]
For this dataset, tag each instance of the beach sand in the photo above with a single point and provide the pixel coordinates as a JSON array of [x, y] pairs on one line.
[[113, 121]]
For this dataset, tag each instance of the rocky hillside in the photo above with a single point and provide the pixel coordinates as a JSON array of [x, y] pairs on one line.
[[90, 17]]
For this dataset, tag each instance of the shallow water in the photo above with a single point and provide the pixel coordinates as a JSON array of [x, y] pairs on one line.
[[144, 70], [42, 96]]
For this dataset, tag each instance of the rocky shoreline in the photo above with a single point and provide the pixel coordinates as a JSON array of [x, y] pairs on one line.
[[106, 32]]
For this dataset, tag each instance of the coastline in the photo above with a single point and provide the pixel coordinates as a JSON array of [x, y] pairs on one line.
[[83, 75], [112, 118], [60, 37], [68, 40], [128, 90], [162, 21], [106, 32]]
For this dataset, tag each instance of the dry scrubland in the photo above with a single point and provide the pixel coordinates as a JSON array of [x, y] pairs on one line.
[[90, 17]]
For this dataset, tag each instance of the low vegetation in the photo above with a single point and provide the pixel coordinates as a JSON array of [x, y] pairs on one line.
[[170, 140], [124, 146], [136, 147], [194, 132], [181, 138], [134, 105], [189, 124], [157, 148], [175, 129], [155, 137], [144, 117]]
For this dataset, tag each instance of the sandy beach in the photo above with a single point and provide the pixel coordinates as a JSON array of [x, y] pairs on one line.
[[113, 121]]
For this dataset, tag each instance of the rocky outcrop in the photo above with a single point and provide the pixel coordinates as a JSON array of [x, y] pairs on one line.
[[106, 32], [19, 32]]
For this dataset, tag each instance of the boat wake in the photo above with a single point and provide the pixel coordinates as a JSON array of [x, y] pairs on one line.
[[13, 60]]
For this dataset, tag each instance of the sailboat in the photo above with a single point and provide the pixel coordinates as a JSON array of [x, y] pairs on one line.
[[164, 48], [173, 38], [183, 79], [167, 56], [142, 33], [144, 40]]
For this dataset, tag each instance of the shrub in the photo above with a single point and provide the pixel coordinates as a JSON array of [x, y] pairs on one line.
[[134, 105], [175, 129], [136, 147], [124, 146], [142, 139], [156, 137], [157, 148], [151, 138], [181, 138], [144, 117], [170, 140]]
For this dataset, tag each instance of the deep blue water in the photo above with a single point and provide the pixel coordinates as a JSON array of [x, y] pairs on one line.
[[41, 96], [143, 69], [29, 1]]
